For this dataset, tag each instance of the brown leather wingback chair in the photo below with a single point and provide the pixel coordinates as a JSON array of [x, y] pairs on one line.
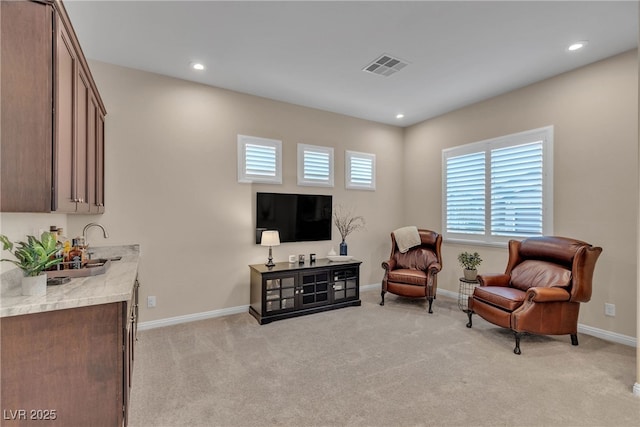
[[541, 290], [413, 273]]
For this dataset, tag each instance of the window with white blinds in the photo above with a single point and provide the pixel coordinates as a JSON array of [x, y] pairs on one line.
[[360, 171], [259, 160], [465, 196], [315, 165], [499, 189]]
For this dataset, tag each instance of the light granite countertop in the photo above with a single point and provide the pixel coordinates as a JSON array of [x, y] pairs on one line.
[[114, 285]]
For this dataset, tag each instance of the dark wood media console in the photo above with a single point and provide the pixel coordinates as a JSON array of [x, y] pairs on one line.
[[291, 289]]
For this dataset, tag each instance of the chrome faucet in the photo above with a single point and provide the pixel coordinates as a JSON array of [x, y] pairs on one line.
[[87, 227]]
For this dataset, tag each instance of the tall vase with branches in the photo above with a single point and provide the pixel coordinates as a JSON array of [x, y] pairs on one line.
[[346, 223]]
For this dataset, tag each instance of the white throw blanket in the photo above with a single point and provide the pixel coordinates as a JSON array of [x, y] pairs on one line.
[[407, 237]]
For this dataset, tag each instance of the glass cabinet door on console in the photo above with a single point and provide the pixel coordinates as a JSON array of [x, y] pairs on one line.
[[345, 284], [280, 293], [314, 288]]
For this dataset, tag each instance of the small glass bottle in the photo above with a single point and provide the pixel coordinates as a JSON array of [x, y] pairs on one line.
[[75, 255], [58, 254], [65, 247]]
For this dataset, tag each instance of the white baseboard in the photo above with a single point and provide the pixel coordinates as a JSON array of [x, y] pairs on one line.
[[447, 293], [588, 330], [607, 335], [374, 287], [192, 317], [212, 314]]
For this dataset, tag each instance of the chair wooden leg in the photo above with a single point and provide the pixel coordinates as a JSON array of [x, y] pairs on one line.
[[430, 303], [382, 296], [574, 339], [470, 323], [517, 349]]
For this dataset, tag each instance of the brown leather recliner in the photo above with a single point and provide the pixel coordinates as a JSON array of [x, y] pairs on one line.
[[413, 273], [541, 290]]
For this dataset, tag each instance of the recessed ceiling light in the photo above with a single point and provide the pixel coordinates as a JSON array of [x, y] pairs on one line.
[[577, 46], [197, 66], [399, 116]]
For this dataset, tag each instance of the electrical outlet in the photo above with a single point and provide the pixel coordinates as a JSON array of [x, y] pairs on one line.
[[151, 301], [609, 309]]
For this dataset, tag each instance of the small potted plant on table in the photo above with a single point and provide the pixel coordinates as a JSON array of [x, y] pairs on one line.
[[33, 257], [470, 262]]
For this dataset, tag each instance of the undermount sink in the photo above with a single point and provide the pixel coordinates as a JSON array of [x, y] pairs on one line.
[[92, 267]]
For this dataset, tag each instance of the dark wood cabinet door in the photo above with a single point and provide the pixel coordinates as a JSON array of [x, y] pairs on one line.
[[127, 358], [314, 288], [26, 106], [69, 361], [64, 136], [345, 284], [100, 199], [95, 157], [82, 140], [280, 293], [91, 154]]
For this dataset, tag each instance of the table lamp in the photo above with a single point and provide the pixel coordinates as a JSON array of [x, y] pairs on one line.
[[270, 238]]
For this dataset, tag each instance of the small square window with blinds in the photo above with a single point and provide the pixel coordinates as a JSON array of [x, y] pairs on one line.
[[315, 165], [499, 189], [259, 160], [360, 171]]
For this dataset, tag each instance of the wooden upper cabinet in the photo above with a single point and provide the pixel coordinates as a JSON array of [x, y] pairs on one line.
[[64, 188], [26, 117], [52, 116], [100, 199], [81, 142], [95, 156]]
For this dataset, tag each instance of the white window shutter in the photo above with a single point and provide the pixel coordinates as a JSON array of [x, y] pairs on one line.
[[499, 189], [360, 171], [259, 160], [315, 165], [465, 194], [516, 190]]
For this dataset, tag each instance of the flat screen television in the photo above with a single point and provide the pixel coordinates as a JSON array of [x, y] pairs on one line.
[[297, 217]]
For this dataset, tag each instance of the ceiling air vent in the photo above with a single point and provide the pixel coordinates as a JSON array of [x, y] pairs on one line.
[[385, 65]]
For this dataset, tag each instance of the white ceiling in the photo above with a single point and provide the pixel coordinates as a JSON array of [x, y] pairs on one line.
[[312, 53]]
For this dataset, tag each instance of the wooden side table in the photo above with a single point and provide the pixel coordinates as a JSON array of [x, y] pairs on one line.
[[464, 292]]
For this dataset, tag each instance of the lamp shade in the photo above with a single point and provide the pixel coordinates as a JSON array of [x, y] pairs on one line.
[[270, 238]]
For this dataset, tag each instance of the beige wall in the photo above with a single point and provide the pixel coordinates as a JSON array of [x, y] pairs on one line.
[[171, 181], [594, 111], [171, 185]]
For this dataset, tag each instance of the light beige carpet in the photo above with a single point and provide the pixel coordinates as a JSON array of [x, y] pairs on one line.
[[395, 365]]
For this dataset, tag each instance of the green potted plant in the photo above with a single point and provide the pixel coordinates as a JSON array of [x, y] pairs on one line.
[[470, 262], [33, 257]]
